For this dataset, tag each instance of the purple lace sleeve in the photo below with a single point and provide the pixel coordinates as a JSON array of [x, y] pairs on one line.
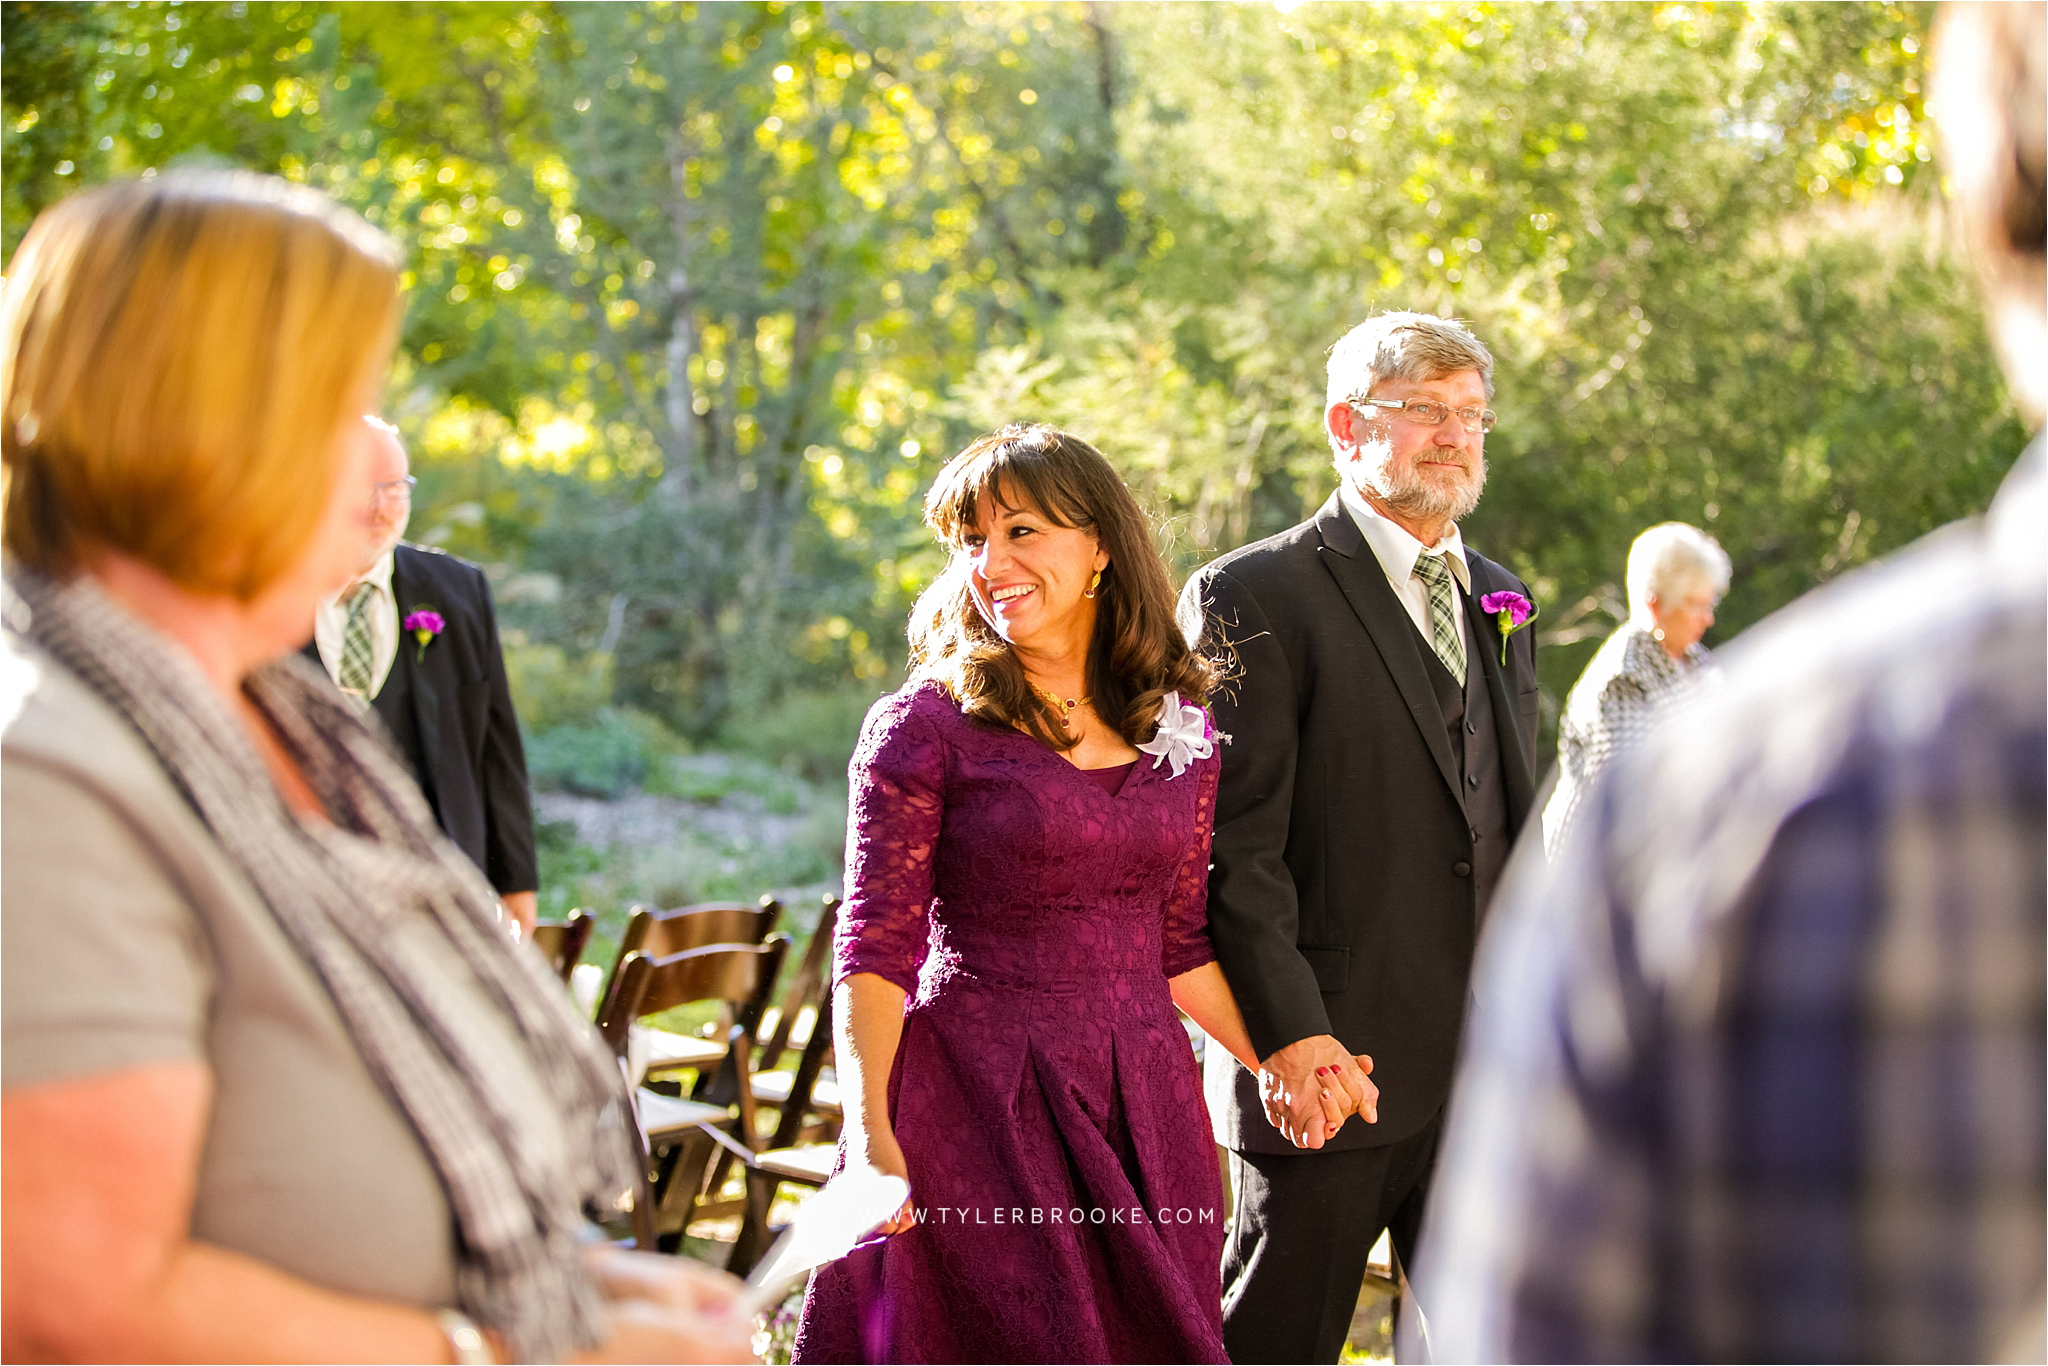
[[1185, 945], [896, 798]]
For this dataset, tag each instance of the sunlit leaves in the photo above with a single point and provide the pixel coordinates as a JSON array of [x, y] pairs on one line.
[[701, 294]]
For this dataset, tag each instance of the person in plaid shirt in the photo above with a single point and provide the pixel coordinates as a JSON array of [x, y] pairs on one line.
[[1757, 1067]]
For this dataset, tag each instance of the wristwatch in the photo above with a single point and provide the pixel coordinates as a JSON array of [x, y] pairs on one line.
[[465, 1338]]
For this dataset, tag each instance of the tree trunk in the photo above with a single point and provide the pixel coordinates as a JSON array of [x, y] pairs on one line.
[[682, 342]]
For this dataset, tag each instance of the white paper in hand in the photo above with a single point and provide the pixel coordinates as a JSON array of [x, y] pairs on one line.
[[827, 1226]]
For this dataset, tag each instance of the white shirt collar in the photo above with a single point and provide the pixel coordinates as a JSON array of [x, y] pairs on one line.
[[380, 574], [1395, 549]]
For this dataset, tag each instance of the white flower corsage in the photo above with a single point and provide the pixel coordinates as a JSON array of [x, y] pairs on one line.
[[1182, 737]]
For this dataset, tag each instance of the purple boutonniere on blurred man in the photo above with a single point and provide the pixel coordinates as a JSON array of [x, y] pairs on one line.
[[424, 623], [1512, 611]]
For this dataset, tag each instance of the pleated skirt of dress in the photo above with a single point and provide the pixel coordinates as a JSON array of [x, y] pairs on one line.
[[1067, 1184]]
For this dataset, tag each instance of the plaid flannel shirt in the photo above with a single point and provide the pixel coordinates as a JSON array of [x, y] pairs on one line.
[[1756, 1070]]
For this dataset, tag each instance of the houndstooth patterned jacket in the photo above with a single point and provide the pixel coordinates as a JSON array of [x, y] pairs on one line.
[[1632, 683]]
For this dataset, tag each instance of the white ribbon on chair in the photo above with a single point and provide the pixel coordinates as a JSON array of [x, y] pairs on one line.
[[639, 1045]]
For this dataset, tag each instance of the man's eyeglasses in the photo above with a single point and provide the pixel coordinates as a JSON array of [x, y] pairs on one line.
[[1431, 414], [400, 489]]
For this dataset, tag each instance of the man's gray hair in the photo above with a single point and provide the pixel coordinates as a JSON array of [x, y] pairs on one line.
[[1410, 346], [1669, 561]]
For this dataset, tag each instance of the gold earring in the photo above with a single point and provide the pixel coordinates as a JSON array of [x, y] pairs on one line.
[[1093, 584]]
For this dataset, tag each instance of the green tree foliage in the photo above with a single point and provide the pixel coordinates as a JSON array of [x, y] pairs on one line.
[[701, 295]]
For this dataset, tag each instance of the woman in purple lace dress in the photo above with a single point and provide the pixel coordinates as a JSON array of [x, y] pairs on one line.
[[1025, 906]]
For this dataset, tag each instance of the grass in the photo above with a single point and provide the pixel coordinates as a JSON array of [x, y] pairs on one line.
[[731, 778], [1372, 1329], [796, 861]]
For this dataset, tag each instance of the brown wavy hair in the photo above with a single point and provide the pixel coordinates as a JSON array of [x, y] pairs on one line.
[[1138, 654]]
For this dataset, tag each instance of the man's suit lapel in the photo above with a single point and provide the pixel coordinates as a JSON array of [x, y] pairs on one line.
[[407, 591], [1486, 639], [1357, 572]]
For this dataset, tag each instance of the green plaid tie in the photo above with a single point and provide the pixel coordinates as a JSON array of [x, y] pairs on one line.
[[358, 653], [1443, 626]]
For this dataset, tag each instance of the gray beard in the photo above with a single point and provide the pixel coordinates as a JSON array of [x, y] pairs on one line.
[[383, 548], [1417, 497]]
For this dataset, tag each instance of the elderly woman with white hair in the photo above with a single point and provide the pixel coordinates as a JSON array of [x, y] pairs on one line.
[[1676, 575]]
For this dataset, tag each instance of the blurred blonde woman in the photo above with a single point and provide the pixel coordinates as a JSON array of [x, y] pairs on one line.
[[277, 1085], [1677, 575]]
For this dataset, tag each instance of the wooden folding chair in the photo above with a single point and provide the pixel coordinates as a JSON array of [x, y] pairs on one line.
[[793, 1022], [739, 976], [786, 1158], [562, 943], [661, 934], [801, 1017]]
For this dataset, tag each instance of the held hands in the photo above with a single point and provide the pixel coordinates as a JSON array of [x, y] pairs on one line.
[[1311, 1085]]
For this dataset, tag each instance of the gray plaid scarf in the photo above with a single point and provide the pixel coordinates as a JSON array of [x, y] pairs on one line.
[[396, 923]]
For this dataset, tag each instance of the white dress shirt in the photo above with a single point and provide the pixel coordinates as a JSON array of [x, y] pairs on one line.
[[1397, 552], [330, 620]]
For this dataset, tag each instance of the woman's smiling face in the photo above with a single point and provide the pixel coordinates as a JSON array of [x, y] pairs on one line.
[[1027, 572]]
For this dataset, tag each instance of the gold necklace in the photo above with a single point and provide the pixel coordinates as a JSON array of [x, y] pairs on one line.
[[1065, 705]]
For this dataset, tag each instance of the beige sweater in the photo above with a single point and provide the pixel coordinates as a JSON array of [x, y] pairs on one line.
[[127, 939]]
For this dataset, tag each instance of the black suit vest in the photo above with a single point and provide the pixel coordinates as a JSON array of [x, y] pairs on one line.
[[1475, 744], [395, 705]]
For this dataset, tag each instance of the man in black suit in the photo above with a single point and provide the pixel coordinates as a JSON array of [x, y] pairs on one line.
[[1379, 767], [444, 698]]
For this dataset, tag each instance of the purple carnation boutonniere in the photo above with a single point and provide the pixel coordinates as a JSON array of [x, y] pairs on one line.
[[424, 623], [1512, 611]]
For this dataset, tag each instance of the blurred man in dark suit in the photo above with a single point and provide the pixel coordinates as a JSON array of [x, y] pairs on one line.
[[416, 638]]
